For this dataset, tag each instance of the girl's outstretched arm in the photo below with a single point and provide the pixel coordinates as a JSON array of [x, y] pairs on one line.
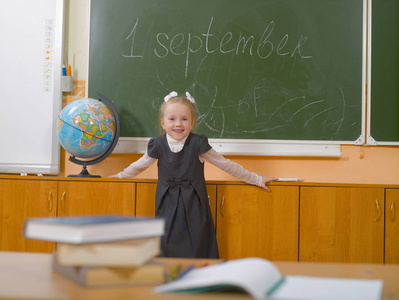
[[236, 170], [135, 168]]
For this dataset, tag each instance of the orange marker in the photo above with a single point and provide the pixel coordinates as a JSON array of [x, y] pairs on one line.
[[69, 71]]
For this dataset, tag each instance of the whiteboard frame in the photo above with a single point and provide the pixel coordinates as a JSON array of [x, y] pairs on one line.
[[370, 141], [51, 167], [259, 147]]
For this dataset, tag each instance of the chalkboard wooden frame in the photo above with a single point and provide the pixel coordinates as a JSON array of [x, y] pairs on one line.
[[30, 90], [290, 147]]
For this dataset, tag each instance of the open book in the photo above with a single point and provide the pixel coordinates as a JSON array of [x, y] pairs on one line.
[[261, 279]]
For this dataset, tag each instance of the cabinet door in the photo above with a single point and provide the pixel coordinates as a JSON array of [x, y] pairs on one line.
[[254, 222], [145, 199], [145, 202], [95, 197], [21, 199], [211, 188], [392, 226], [339, 224]]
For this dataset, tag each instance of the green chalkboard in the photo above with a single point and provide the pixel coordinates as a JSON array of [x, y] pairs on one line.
[[260, 69], [384, 91]]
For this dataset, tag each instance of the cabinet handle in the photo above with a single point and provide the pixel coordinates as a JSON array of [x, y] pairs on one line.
[[392, 211], [378, 211], [50, 201], [221, 207], [63, 202]]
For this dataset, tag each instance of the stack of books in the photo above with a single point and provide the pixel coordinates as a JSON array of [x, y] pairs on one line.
[[105, 250]]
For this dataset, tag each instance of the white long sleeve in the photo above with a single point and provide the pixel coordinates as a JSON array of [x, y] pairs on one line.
[[232, 168], [137, 167]]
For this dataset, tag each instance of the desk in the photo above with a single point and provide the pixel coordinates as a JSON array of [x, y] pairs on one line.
[[29, 276]]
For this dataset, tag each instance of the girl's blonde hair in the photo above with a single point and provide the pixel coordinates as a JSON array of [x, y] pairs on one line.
[[181, 100]]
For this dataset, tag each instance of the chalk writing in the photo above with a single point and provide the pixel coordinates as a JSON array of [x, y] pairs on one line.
[[218, 112], [185, 45]]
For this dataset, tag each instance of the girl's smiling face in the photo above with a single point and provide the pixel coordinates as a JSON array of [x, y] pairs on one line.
[[177, 120]]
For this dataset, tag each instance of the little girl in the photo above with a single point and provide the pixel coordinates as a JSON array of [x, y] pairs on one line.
[[181, 195]]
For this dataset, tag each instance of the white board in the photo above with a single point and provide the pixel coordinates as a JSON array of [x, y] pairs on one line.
[[30, 85]]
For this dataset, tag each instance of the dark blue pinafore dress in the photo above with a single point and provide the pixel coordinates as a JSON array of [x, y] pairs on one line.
[[181, 198]]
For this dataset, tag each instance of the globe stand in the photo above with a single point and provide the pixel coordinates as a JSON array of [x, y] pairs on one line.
[[84, 173]]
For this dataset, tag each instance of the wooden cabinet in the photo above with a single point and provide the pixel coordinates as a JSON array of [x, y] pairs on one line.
[[341, 224], [254, 222], [392, 226], [306, 222], [25, 198], [95, 197], [21, 199]]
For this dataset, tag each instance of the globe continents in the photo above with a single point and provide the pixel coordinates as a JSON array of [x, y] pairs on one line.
[[86, 128]]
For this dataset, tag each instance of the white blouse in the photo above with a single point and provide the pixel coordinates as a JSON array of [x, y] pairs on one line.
[[211, 156]]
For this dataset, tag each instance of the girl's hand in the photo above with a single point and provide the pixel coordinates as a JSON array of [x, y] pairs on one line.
[[266, 180], [112, 176]]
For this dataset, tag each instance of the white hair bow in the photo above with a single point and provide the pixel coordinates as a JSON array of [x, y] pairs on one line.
[[170, 95], [189, 97], [174, 94]]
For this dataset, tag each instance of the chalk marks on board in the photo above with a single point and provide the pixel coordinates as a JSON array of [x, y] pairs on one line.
[[310, 112], [187, 44]]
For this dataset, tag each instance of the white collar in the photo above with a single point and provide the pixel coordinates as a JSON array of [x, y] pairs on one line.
[[175, 145]]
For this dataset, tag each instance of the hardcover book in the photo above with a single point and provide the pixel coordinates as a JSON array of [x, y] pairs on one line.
[[102, 276], [124, 253], [91, 229]]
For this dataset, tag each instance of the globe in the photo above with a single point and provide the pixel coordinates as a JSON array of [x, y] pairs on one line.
[[88, 128]]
